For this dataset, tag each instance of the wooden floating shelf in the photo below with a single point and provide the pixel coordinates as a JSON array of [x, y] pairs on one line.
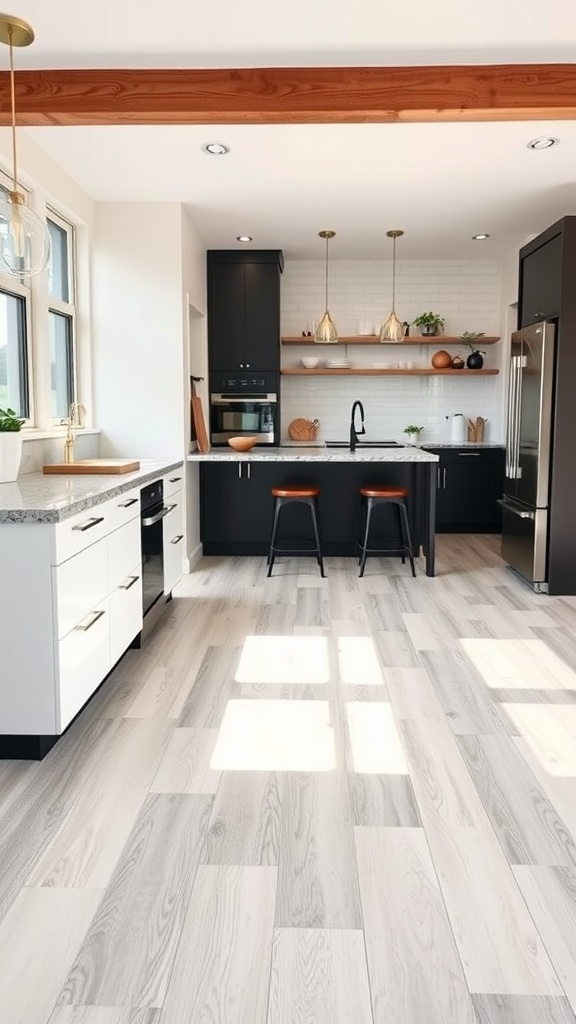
[[374, 339], [370, 371]]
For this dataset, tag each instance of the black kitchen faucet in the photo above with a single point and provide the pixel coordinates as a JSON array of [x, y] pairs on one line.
[[353, 432]]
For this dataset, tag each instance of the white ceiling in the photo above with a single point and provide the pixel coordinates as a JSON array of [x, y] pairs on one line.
[[441, 183]]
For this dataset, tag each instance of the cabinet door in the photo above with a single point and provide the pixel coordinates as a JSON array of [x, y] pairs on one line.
[[235, 506], [469, 485], [82, 661], [226, 316], [541, 282], [262, 316], [173, 538], [125, 613]]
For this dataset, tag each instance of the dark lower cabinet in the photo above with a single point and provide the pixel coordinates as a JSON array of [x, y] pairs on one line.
[[469, 483], [236, 504]]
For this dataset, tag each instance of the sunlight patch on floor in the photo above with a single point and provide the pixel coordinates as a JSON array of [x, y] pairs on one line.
[[284, 659], [550, 732], [519, 664], [374, 741], [275, 735], [359, 662]]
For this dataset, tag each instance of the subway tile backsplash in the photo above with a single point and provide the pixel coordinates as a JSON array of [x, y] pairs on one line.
[[467, 293]]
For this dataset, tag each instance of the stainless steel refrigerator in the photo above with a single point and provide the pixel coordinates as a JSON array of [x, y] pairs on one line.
[[530, 411]]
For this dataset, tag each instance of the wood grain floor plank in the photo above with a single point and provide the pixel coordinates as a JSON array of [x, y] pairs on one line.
[[40, 936], [312, 606], [522, 1010], [157, 695], [213, 687], [144, 908], [317, 883], [499, 945], [283, 691], [550, 732], [519, 664], [284, 659], [525, 821], [463, 695], [185, 767], [222, 967], [320, 976], [383, 800], [413, 965], [85, 849], [412, 694], [103, 1015], [373, 741], [550, 894], [395, 649], [245, 821]]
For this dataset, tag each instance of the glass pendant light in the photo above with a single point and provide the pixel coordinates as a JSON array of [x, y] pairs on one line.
[[24, 238], [392, 331], [326, 333]]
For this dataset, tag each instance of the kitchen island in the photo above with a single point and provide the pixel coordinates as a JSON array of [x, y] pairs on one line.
[[236, 500]]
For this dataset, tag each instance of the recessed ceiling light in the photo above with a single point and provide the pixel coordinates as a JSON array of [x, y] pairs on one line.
[[479, 238], [215, 148], [544, 142], [243, 238]]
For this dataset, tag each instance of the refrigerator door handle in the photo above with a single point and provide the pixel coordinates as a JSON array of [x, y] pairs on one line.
[[513, 424], [521, 513]]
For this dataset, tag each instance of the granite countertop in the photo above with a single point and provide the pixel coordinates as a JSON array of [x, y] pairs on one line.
[[36, 498], [315, 454]]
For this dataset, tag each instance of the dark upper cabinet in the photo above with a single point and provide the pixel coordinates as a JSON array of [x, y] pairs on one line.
[[541, 281], [469, 483], [244, 310]]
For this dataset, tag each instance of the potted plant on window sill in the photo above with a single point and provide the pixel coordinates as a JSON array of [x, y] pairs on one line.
[[10, 445], [475, 360], [430, 324], [413, 433]]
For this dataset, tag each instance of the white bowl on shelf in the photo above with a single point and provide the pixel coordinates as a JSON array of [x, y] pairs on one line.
[[309, 362]]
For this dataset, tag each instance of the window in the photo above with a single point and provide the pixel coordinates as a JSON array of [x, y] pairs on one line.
[[14, 391], [61, 316]]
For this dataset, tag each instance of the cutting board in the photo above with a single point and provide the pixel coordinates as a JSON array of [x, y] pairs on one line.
[[94, 466], [199, 424]]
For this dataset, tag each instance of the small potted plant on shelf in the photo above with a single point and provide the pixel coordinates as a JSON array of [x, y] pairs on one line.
[[10, 445], [430, 323], [474, 360], [413, 433]]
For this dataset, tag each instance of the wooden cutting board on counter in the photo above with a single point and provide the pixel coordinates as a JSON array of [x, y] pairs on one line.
[[94, 466]]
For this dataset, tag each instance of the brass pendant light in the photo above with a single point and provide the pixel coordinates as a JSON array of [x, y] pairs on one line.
[[392, 330], [24, 237], [326, 333]]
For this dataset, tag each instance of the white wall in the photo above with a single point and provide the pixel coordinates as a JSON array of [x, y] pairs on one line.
[[138, 360], [467, 293]]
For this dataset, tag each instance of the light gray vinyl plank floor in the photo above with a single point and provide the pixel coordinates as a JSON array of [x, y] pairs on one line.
[[550, 895], [244, 824], [221, 971], [383, 800], [127, 955], [462, 694], [103, 1015], [213, 687], [319, 975], [522, 1010], [185, 767]]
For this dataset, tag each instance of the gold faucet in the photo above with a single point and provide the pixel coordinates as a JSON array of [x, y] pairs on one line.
[[71, 421]]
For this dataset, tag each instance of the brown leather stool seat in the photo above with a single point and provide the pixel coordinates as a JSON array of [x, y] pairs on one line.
[[284, 496], [371, 498]]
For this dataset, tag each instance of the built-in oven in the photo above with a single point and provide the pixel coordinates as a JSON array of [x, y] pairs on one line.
[[244, 405], [152, 512]]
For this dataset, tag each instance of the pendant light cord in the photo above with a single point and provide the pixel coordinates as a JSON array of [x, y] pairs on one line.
[[13, 101], [394, 274], [327, 273]]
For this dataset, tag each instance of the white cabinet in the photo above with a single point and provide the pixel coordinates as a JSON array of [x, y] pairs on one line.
[[173, 531], [82, 660]]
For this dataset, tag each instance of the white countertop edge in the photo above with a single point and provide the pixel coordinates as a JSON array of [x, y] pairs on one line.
[[408, 454]]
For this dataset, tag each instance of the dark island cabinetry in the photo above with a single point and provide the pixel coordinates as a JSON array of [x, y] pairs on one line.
[[244, 310], [469, 484]]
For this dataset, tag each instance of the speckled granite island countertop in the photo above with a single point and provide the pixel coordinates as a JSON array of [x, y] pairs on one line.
[[316, 454], [35, 498]]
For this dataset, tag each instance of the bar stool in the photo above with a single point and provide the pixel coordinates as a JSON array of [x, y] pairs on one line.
[[370, 498], [285, 496]]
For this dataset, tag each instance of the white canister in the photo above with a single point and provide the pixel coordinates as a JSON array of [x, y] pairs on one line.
[[458, 433]]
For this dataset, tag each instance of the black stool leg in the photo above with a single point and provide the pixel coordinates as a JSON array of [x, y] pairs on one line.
[[314, 508], [364, 545], [272, 551], [399, 525], [408, 538]]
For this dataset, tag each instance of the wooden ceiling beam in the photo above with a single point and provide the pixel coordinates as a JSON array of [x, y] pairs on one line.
[[502, 92]]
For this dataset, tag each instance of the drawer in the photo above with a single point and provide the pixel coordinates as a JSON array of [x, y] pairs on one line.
[[173, 482], [81, 530], [124, 552], [124, 508], [78, 584], [82, 661], [173, 555], [473, 456], [125, 613]]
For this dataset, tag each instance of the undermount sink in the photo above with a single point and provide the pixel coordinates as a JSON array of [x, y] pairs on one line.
[[364, 444]]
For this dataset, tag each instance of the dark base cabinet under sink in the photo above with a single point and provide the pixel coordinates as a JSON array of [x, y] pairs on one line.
[[469, 484]]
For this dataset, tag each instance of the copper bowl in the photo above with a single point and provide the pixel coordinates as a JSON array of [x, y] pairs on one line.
[[242, 444]]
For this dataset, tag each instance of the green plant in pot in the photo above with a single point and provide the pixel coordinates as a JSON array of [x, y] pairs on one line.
[[430, 323], [475, 360], [10, 445], [413, 433]]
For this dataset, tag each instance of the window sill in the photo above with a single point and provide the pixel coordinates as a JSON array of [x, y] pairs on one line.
[[35, 434]]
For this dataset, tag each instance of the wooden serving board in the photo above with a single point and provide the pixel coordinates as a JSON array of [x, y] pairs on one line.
[[94, 466], [199, 424]]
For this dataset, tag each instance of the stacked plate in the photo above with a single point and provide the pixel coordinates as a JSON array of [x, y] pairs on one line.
[[338, 364]]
